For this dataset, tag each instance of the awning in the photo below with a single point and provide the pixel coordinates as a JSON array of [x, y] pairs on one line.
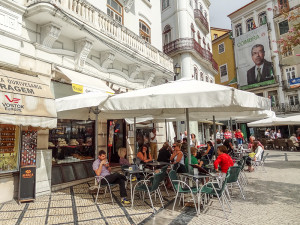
[[83, 83], [26, 100]]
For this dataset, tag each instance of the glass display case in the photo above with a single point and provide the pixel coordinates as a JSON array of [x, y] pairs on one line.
[[72, 141], [9, 148]]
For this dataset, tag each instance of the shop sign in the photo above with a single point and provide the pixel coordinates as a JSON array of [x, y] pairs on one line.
[[77, 88], [27, 174], [12, 104], [294, 83]]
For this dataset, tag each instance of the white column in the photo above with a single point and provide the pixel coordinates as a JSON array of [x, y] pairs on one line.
[[185, 65], [184, 29]]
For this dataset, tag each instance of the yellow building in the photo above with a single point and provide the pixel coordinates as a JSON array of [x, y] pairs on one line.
[[223, 54]]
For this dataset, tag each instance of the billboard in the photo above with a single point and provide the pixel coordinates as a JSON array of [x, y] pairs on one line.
[[253, 59], [295, 82]]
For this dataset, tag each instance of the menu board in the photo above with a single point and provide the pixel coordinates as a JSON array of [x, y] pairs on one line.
[[28, 148]]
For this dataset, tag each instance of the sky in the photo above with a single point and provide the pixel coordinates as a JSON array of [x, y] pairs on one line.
[[219, 9]]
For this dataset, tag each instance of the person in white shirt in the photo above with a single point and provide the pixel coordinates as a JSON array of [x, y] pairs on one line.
[[278, 135], [153, 144], [294, 140]]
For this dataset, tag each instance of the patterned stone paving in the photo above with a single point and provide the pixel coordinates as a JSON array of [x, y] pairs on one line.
[[271, 198]]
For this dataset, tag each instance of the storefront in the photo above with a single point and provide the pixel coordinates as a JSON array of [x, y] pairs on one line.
[[27, 107]]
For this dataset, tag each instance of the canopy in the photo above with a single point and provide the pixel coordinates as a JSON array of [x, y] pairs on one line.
[[171, 100], [78, 106], [276, 121], [26, 100]]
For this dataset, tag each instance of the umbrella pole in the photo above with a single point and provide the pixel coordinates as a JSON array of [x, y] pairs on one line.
[[96, 112], [215, 135], [134, 137], [166, 127], [188, 136], [231, 131], [202, 133]]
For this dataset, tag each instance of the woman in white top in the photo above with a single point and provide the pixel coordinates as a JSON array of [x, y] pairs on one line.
[[194, 142], [278, 135], [178, 158], [259, 152]]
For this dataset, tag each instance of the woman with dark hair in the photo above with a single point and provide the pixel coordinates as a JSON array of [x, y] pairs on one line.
[[143, 154], [194, 141], [227, 143], [210, 150], [255, 155]]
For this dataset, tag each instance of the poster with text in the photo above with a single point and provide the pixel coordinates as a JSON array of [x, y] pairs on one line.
[[253, 59]]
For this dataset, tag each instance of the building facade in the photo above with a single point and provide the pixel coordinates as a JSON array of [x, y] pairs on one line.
[[223, 54], [187, 40], [75, 47]]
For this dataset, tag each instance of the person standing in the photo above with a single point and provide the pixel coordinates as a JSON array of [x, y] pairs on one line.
[[278, 134], [227, 134], [239, 136], [218, 135], [153, 144], [194, 141]]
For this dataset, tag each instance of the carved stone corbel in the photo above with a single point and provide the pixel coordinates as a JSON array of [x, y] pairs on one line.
[[149, 76], [107, 58], [83, 48], [133, 70], [49, 34], [128, 4]]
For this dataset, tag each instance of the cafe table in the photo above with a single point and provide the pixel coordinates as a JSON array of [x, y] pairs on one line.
[[132, 172], [156, 164]]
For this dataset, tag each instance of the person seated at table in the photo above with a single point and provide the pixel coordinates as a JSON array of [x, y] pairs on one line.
[[184, 147], [209, 151], [294, 140], [124, 162], [194, 160], [164, 153], [178, 158], [251, 141], [144, 154], [228, 144], [102, 168], [256, 155], [219, 142], [224, 160]]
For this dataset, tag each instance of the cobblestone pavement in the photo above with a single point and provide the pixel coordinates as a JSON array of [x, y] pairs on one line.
[[272, 197]]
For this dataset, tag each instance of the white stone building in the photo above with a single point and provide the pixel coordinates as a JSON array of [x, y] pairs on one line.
[[187, 39], [97, 45]]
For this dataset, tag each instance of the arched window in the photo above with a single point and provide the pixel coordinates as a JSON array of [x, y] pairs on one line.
[[165, 4], [200, 7], [145, 31], [196, 4], [238, 30], [205, 14], [201, 76], [208, 47], [204, 42], [211, 81], [199, 37], [195, 76], [115, 10], [193, 31], [262, 18], [206, 78], [167, 34], [250, 24]]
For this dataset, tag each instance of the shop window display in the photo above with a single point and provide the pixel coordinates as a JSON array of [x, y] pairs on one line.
[[9, 148], [72, 141]]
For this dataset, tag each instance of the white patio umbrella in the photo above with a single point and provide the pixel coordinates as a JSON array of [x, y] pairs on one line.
[[276, 121], [187, 97]]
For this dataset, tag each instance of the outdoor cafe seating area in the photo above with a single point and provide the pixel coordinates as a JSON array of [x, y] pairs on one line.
[[279, 144]]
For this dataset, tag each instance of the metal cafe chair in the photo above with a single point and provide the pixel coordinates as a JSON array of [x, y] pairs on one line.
[[106, 186]]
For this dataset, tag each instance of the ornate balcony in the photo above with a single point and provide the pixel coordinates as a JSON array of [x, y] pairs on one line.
[[190, 44], [201, 20], [286, 108], [97, 22]]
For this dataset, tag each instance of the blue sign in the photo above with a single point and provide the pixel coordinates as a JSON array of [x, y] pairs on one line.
[[295, 82]]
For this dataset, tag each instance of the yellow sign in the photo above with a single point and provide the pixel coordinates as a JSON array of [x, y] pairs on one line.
[[77, 88]]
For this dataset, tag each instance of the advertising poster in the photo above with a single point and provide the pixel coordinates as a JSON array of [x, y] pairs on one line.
[[253, 59]]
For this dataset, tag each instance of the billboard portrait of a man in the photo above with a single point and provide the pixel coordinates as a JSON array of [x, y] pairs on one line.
[[262, 70]]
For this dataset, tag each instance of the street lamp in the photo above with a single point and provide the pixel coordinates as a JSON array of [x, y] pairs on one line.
[[177, 70]]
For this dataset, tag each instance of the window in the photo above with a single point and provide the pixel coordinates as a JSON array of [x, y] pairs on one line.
[[192, 31], [208, 47], [115, 10], [290, 72], [201, 76], [283, 27], [195, 76], [167, 34], [221, 48], [250, 24], [145, 31], [199, 37], [200, 7], [211, 81], [238, 30], [288, 51], [215, 36], [293, 99], [204, 43], [165, 4], [206, 78], [196, 4], [205, 14], [223, 73], [283, 5], [191, 4], [262, 18]]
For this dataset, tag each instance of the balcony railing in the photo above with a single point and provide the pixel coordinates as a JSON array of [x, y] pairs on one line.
[[198, 15], [286, 108], [94, 17], [190, 44]]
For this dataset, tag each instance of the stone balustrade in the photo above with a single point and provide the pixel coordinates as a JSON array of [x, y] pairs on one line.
[[93, 16]]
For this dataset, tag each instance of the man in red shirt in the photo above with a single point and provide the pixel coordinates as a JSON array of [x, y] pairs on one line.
[[223, 159]]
